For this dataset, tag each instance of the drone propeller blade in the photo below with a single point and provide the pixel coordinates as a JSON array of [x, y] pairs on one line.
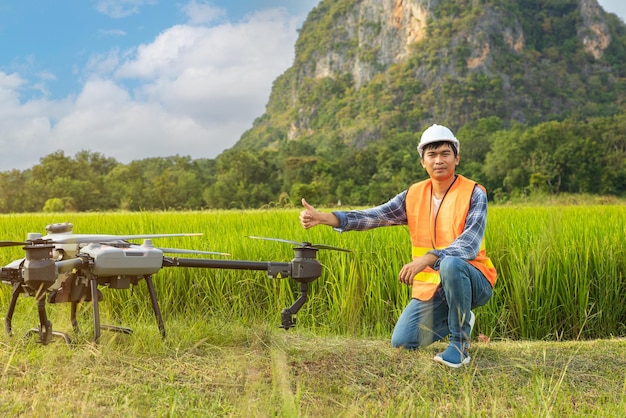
[[11, 243], [182, 251], [304, 244], [330, 247], [276, 239], [89, 238]]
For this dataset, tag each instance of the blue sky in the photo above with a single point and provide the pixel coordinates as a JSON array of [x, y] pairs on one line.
[[138, 78], [133, 79]]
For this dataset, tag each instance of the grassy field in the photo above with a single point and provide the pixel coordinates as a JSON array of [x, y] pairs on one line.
[[227, 369], [555, 326]]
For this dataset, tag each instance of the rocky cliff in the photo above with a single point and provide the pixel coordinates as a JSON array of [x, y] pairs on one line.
[[384, 32], [364, 68]]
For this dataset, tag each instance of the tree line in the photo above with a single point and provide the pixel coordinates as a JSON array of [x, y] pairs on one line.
[[568, 156]]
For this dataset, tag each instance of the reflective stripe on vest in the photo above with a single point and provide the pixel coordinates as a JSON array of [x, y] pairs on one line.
[[426, 282]]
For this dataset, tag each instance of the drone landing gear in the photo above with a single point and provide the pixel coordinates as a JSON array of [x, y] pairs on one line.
[[123, 330], [44, 331], [97, 326], [45, 326], [155, 305], [17, 289]]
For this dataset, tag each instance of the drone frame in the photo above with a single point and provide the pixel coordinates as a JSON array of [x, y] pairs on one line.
[[39, 270]]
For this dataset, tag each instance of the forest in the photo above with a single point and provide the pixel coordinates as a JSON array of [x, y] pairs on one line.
[[570, 156]]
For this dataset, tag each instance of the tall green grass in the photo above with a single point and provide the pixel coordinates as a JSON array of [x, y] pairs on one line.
[[561, 271]]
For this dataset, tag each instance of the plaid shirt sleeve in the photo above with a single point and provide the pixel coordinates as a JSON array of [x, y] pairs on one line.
[[467, 245], [388, 214]]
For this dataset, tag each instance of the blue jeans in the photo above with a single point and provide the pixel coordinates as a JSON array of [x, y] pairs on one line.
[[463, 287]]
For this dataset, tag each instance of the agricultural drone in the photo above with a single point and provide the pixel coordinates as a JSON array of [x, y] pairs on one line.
[[66, 267]]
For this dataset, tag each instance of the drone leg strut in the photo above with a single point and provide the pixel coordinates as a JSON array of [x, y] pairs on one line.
[[45, 326], [96, 308], [155, 304], [17, 289], [73, 316], [286, 316], [97, 326]]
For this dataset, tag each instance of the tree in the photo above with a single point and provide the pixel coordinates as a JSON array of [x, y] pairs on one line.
[[126, 187], [243, 180], [14, 195], [178, 188]]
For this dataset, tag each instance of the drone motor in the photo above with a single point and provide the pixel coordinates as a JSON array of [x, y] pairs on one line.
[[39, 268]]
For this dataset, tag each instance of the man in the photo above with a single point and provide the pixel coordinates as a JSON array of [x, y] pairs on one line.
[[450, 273]]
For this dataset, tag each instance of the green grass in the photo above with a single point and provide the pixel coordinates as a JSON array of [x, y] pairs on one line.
[[561, 270], [556, 326], [226, 369]]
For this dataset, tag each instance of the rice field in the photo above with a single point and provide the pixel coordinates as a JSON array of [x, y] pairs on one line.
[[561, 272]]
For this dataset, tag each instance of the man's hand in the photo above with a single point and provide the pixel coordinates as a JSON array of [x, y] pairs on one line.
[[310, 217], [408, 271]]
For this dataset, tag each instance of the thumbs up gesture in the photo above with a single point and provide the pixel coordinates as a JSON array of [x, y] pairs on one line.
[[309, 217]]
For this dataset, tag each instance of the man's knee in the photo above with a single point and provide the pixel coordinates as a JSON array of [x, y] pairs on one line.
[[397, 342], [451, 266], [401, 338], [418, 338], [406, 344]]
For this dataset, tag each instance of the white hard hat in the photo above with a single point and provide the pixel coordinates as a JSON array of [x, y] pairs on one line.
[[437, 133]]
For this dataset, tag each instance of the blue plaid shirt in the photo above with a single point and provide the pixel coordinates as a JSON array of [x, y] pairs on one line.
[[465, 246]]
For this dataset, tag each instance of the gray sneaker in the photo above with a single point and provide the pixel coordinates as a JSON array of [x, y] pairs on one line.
[[455, 355]]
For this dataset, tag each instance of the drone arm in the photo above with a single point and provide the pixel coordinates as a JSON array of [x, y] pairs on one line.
[[304, 268], [274, 269], [65, 266], [11, 275]]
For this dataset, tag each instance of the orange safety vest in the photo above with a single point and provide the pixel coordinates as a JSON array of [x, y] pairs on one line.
[[429, 232]]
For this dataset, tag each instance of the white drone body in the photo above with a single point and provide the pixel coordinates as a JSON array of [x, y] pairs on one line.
[[136, 260]]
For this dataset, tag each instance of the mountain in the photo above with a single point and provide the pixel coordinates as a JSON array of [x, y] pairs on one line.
[[370, 69]]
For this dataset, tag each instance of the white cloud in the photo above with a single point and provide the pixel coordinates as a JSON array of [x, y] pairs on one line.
[[25, 126], [225, 62], [10, 82], [192, 91], [200, 13], [162, 55], [121, 8], [102, 64]]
